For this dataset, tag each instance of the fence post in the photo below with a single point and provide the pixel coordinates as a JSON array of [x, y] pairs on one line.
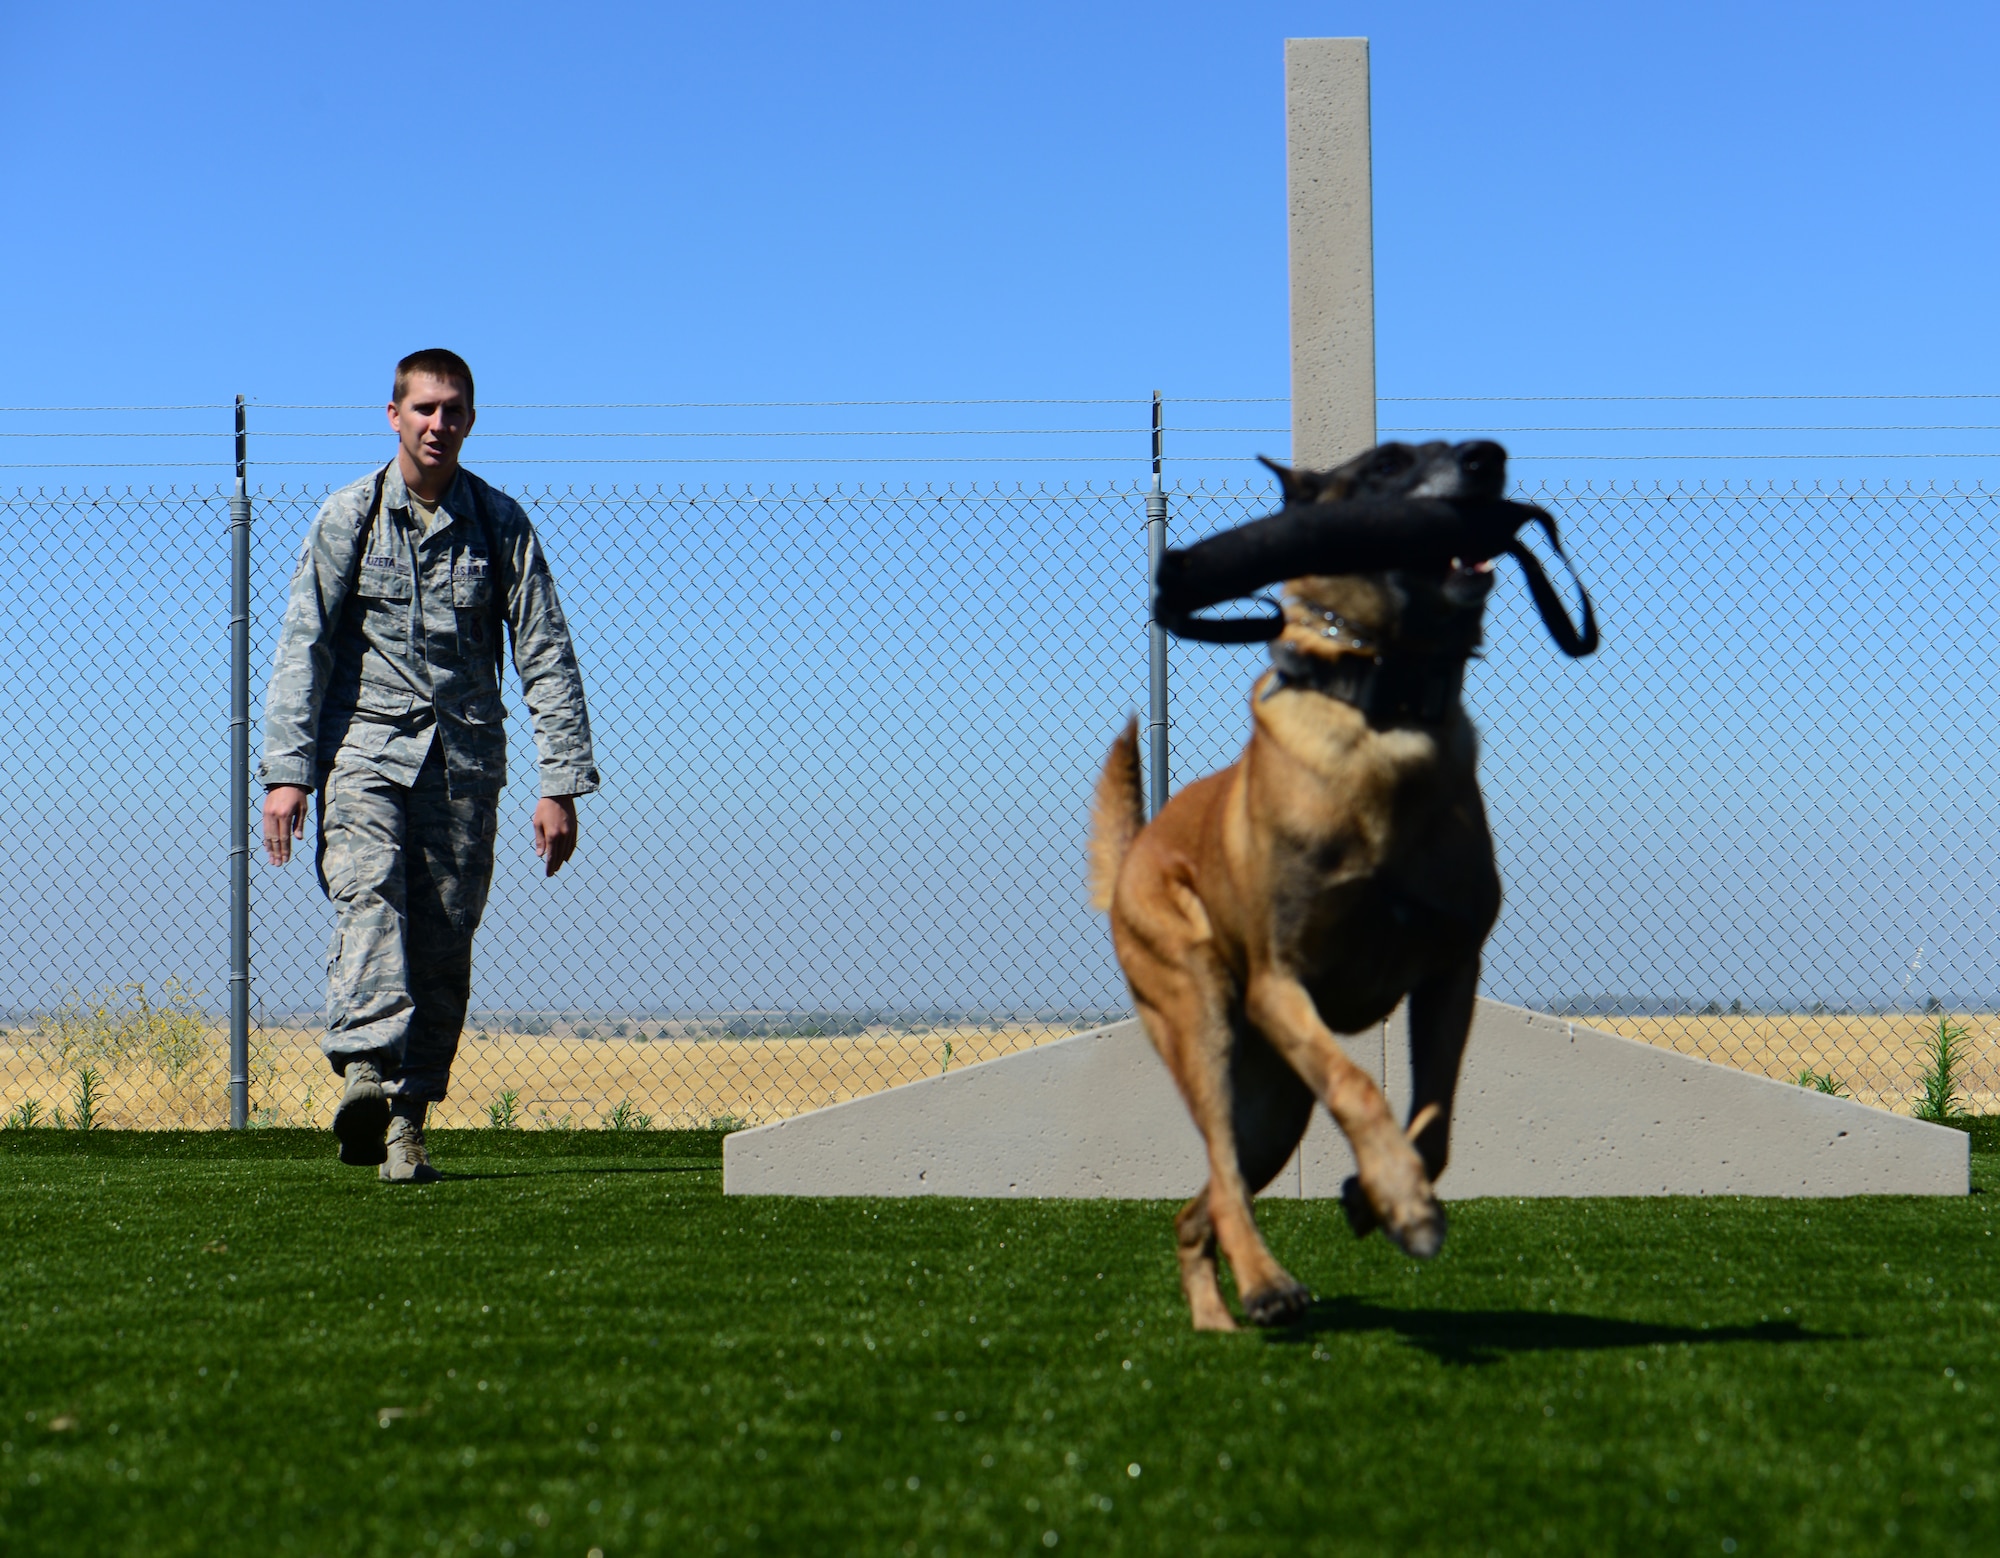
[[239, 784], [1156, 712]]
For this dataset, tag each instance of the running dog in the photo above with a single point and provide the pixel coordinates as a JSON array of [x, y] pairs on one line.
[[1339, 866]]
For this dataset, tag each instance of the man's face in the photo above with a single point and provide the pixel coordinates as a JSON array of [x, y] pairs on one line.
[[431, 421]]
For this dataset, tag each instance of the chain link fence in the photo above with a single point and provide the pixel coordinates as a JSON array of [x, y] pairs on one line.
[[849, 736]]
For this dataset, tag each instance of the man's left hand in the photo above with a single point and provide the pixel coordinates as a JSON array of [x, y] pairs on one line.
[[555, 831]]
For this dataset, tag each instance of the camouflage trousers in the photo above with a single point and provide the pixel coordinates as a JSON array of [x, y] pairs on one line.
[[407, 869]]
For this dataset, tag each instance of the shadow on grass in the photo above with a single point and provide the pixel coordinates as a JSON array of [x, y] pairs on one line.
[[1479, 1336]]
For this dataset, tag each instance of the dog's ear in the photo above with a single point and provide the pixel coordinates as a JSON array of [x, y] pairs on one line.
[[1296, 488], [1299, 487], [1303, 487]]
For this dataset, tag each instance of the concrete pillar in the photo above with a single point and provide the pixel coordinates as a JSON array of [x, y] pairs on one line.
[[1329, 191]]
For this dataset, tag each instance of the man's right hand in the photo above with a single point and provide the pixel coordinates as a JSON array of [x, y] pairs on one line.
[[284, 820]]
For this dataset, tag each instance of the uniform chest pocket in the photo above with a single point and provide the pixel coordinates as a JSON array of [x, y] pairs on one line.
[[383, 579], [471, 581]]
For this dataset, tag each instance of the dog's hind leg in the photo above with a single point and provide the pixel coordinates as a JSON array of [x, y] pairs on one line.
[[1194, 1239], [1243, 1098], [1392, 1176], [1270, 1108], [1269, 1111], [1227, 1079]]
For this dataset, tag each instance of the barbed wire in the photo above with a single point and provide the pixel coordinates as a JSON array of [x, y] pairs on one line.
[[217, 406], [857, 432], [1814, 454], [972, 459], [265, 433], [1635, 399], [586, 446], [1737, 427], [1038, 432], [1104, 400], [775, 405], [932, 459]]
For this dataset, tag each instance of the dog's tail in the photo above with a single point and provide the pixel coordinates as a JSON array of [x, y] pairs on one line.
[[1117, 812]]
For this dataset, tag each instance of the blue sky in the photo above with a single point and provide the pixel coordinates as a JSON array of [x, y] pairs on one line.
[[619, 201]]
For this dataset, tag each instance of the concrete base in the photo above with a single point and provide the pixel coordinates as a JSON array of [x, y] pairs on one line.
[[1545, 1107]]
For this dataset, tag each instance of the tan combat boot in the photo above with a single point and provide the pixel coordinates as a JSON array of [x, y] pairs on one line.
[[408, 1163], [363, 1115]]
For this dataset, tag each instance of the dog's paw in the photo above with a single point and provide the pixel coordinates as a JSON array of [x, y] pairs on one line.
[[1422, 1235], [1354, 1202], [1218, 1319], [1279, 1304], [1392, 1193]]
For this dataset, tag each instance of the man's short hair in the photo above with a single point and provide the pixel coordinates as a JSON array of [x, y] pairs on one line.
[[437, 362]]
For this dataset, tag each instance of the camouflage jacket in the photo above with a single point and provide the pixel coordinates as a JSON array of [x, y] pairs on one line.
[[414, 655]]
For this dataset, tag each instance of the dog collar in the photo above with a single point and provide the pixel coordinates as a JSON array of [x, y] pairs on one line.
[[1393, 689]]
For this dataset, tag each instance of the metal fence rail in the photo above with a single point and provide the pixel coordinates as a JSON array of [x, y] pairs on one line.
[[848, 737]]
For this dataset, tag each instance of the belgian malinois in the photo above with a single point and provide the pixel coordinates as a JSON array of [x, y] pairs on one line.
[[1339, 866]]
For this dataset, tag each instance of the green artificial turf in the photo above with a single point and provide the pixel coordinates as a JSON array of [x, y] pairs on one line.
[[231, 1345]]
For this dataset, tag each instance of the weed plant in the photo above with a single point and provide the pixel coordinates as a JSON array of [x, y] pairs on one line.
[[84, 1102], [626, 1117], [1821, 1082], [503, 1114], [1944, 1055], [28, 1114]]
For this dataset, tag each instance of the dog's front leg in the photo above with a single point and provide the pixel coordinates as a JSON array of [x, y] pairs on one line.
[[1440, 1018], [1391, 1173]]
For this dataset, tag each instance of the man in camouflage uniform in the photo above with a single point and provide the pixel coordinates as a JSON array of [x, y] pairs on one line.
[[386, 698]]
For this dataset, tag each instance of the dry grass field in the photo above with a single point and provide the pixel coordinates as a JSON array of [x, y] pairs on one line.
[[563, 1080], [1875, 1059], [556, 1080]]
